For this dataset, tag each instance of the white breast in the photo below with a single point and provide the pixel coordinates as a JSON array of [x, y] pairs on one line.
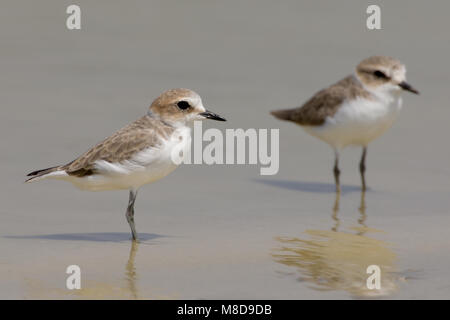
[[145, 167], [358, 121]]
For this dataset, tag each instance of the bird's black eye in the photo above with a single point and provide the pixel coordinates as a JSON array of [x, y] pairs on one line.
[[379, 74], [183, 105]]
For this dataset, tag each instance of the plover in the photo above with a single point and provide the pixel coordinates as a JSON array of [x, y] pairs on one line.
[[139, 153], [355, 110]]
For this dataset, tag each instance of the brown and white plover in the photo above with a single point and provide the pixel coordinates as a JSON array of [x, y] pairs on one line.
[[139, 153]]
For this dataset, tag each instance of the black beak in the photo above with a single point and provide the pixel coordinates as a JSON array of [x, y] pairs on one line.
[[406, 86], [210, 115]]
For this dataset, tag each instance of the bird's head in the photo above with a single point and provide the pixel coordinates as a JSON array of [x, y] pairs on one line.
[[181, 106], [383, 74]]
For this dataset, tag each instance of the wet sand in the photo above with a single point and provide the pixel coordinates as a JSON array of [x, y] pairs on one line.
[[222, 231]]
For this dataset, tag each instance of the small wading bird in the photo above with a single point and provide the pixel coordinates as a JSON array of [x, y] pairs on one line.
[[355, 110], [139, 153]]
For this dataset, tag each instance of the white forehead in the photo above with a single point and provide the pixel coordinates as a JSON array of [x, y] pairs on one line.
[[388, 65], [398, 73], [395, 71], [194, 100]]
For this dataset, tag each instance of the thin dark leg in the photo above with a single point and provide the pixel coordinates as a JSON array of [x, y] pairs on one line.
[[362, 168], [337, 172], [130, 213]]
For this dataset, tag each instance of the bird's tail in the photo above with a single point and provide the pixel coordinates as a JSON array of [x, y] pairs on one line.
[[40, 174], [282, 114]]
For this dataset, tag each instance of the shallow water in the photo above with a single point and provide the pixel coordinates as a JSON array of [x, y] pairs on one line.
[[222, 231]]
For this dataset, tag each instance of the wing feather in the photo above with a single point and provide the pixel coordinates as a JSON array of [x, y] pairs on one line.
[[324, 103], [121, 146]]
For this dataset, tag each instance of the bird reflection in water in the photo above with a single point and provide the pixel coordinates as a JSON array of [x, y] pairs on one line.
[[131, 270], [125, 288], [114, 290], [338, 260]]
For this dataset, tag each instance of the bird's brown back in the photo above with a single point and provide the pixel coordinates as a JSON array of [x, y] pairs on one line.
[[324, 103], [122, 145]]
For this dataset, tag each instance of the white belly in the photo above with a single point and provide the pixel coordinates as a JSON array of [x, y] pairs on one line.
[[357, 122], [145, 167]]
